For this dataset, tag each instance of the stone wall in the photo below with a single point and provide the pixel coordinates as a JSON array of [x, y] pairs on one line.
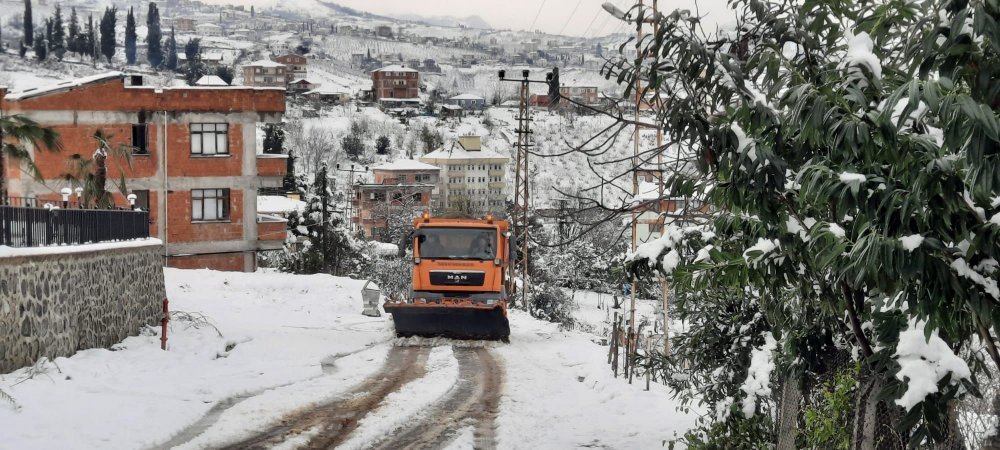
[[92, 296]]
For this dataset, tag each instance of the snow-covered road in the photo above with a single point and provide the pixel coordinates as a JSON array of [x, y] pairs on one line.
[[294, 365]]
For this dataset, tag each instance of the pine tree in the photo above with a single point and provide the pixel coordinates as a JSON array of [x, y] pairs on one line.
[[154, 36], [107, 42], [130, 37], [252, 12], [171, 61], [57, 45], [226, 73], [74, 36], [29, 29]]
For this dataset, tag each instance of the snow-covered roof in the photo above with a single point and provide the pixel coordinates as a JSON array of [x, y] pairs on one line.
[[277, 204], [395, 68], [207, 25], [264, 63], [211, 80], [329, 90], [64, 85], [211, 56], [301, 81], [404, 164], [451, 107], [456, 151], [467, 97]]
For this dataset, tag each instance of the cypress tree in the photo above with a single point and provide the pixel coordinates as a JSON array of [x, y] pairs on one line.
[[29, 30], [171, 61], [89, 42], [107, 45], [73, 40], [130, 37], [41, 47], [252, 12], [57, 44], [154, 46]]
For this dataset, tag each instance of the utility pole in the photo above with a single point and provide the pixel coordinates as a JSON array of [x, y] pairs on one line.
[[664, 286], [350, 202], [325, 201], [522, 190]]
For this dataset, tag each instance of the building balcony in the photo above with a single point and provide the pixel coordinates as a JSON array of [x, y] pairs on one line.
[[269, 165]]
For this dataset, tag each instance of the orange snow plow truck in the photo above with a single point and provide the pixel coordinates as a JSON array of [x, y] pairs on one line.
[[459, 273]]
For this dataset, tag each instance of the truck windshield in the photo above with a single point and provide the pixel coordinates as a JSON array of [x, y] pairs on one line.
[[457, 243]]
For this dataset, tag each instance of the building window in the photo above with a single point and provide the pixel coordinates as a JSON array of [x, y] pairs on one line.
[[139, 139], [402, 178], [417, 197], [397, 196], [209, 139], [209, 204]]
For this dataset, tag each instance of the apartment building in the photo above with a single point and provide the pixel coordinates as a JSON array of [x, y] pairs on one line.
[[296, 66], [194, 163], [473, 178], [581, 94], [401, 191], [265, 73], [396, 85]]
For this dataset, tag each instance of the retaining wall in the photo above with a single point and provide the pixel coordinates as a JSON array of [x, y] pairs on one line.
[[88, 296]]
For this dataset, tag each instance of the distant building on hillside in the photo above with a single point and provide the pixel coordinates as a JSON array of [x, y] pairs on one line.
[[296, 66], [265, 73], [402, 190], [183, 25], [395, 86], [582, 94], [472, 177], [208, 29], [468, 102]]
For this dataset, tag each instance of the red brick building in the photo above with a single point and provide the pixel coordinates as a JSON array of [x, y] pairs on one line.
[[402, 190], [396, 85], [265, 73], [296, 66], [194, 163]]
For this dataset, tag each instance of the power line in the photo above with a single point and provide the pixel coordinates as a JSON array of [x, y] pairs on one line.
[[592, 21], [570, 17], [532, 27]]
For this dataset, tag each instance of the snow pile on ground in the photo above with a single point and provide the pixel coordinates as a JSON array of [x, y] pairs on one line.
[[276, 329], [924, 362], [560, 393]]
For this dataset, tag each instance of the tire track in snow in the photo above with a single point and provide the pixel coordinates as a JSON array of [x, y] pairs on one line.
[[473, 401], [212, 416], [336, 419]]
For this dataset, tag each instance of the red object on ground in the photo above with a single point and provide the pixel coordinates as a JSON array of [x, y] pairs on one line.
[[163, 324]]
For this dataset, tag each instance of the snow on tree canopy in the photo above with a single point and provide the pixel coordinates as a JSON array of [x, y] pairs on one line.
[[911, 242], [859, 53], [650, 251], [924, 362], [764, 246], [758, 382]]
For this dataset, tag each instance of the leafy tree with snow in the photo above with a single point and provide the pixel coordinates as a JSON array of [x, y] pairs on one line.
[[107, 28], [274, 138], [130, 37], [91, 173], [154, 37], [851, 153], [319, 241], [353, 146], [382, 145], [226, 73]]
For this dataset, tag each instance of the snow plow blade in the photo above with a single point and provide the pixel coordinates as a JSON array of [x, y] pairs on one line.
[[450, 321]]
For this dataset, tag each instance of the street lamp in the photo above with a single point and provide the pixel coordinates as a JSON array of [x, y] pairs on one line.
[[79, 197], [131, 200], [66, 192], [614, 11]]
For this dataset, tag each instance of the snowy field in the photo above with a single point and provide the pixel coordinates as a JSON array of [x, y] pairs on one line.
[[285, 342]]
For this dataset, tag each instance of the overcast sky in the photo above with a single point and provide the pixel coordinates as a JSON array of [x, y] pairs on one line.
[[571, 17]]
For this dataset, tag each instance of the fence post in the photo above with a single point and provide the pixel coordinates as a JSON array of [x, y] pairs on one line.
[[163, 324]]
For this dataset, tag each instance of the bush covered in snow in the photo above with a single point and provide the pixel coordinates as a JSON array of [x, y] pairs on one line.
[[549, 302]]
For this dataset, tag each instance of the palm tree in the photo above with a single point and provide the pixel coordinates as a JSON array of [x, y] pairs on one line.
[[92, 174], [15, 131]]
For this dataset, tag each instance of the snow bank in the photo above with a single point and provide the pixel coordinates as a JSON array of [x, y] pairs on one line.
[[276, 329], [758, 382], [924, 362]]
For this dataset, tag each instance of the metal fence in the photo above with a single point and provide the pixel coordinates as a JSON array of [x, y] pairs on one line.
[[26, 226]]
